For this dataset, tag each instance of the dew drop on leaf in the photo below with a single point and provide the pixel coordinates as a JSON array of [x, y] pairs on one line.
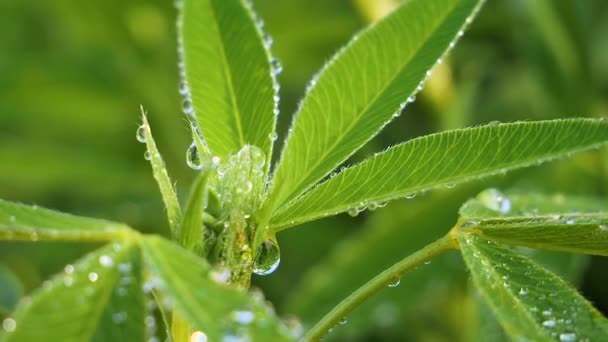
[[9, 325], [147, 155], [69, 269], [343, 321], [353, 212], [141, 134], [294, 326], [549, 323], [193, 157], [106, 261], [395, 281], [267, 257], [198, 336], [93, 277], [523, 291], [243, 317], [567, 337]]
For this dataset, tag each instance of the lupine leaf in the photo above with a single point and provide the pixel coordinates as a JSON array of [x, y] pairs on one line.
[[363, 87], [21, 222], [530, 302], [78, 303], [228, 74], [444, 159], [552, 223]]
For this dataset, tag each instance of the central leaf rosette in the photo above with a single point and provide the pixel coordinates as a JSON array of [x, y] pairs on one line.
[[237, 191]]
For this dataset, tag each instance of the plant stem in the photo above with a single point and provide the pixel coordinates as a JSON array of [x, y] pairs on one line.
[[378, 283]]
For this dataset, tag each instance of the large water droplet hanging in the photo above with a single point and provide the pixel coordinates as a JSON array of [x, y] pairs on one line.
[[141, 134], [495, 200], [267, 257], [193, 157]]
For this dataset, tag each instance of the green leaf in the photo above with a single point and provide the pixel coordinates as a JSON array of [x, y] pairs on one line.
[[191, 230], [20, 222], [159, 170], [227, 71], [363, 88], [443, 159], [202, 297], [552, 223], [530, 302], [76, 304]]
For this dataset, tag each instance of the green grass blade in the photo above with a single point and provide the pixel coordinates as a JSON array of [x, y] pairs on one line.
[[207, 303], [529, 301], [364, 87], [159, 170], [20, 222], [552, 223], [229, 78], [191, 230], [73, 305], [443, 159]]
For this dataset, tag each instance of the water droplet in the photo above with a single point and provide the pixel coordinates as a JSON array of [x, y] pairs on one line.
[[198, 336], [187, 107], [183, 88], [549, 323], [570, 221], [395, 281], [523, 291], [567, 337], [277, 67], [603, 227], [124, 267], [106, 261], [9, 324], [450, 185], [353, 212], [243, 317], [193, 157], [221, 275], [93, 277], [273, 136], [68, 281], [267, 258], [428, 262], [343, 320], [294, 326], [215, 161], [119, 317], [495, 200], [69, 269], [410, 195], [147, 155], [141, 134]]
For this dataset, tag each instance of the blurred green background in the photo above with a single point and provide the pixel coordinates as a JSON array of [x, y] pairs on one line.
[[73, 74]]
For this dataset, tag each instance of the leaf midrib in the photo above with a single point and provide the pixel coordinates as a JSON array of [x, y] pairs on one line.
[[229, 77], [361, 113]]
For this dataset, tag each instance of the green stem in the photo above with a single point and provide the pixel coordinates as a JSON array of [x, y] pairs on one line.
[[378, 283]]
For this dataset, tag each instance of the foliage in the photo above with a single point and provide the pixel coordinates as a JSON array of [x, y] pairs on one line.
[[136, 286]]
